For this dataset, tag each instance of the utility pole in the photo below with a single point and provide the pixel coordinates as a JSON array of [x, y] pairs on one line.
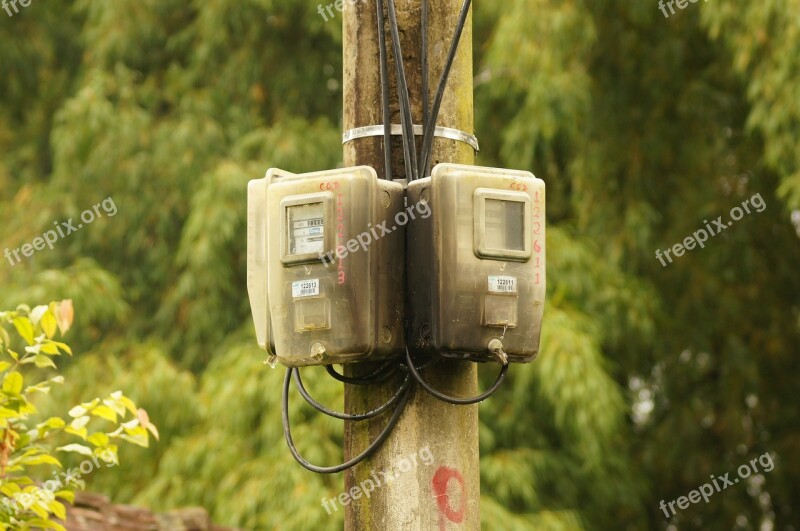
[[444, 495]]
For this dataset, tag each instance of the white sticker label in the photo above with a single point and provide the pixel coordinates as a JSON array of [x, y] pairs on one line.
[[502, 284], [305, 288]]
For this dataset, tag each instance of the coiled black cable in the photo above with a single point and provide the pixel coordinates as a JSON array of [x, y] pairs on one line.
[[348, 416], [380, 374], [287, 432], [451, 399]]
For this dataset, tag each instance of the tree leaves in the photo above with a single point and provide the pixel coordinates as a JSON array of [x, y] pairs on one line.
[[12, 384], [19, 450], [24, 328], [642, 128]]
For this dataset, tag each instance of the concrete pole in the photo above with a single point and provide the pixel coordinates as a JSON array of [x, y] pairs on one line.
[[444, 494]]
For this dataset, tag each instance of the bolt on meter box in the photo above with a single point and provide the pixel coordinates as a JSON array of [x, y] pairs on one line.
[[318, 295], [476, 265]]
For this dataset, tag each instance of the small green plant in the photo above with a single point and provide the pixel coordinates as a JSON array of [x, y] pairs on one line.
[[27, 441]]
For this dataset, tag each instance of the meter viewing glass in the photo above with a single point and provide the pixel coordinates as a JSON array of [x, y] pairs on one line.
[[305, 219], [306, 227], [502, 224]]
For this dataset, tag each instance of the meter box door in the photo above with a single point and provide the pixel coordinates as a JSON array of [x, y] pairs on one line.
[[476, 265], [334, 267]]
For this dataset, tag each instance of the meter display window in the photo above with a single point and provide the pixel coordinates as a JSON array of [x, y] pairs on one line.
[[307, 228], [502, 224], [505, 225]]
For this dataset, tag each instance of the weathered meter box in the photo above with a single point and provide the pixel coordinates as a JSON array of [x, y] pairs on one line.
[[325, 286], [476, 265]]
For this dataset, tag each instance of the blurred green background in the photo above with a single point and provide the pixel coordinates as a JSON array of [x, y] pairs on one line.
[[651, 378]]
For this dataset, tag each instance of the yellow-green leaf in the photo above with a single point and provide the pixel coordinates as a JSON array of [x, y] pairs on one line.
[[63, 346], [37, 313], [128, 404], [53, 423], [25, 328], [41, 459], [67, 495], [9, 489], [80, 432], [8, 413], [99, 439], [12, 383], [50, 348], [105, 412], [5, 340], [57, 508], [43, 361], [45, 523], [49, 325], [76, 448], [138, 439]]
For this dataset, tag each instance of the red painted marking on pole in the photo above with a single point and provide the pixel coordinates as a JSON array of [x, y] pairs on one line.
[[441, 479]]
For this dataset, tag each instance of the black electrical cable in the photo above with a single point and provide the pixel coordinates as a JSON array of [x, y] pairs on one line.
[[387, 115], [287, 433], [424, 61], [451, 399], [430, 127], [347, 416], [409, 143], [381, 374], [433, 361]]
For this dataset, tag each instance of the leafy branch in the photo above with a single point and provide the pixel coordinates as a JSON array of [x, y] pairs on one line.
[[26, 365]]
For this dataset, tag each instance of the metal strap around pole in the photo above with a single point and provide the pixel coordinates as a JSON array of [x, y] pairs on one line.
[[397, 130]]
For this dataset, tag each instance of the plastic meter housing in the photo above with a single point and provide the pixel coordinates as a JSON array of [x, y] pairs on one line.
[[476, 265], [325, 285]]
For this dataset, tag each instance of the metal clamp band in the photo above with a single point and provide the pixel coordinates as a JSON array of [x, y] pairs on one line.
[[397, 130]]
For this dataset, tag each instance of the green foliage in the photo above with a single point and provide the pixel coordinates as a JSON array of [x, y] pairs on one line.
[[650, 378], [29, 440]]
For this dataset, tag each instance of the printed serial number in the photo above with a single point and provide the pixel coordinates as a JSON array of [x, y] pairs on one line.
[[502, 284], [305, 288]]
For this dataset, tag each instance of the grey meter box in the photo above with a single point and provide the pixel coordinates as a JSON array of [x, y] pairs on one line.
[[476, 265], [325, 286]]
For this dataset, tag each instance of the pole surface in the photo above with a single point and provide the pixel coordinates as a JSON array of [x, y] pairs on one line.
[[408, 492]]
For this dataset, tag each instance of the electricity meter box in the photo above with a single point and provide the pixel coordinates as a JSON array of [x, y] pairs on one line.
[[476, 265], [325, 266]]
